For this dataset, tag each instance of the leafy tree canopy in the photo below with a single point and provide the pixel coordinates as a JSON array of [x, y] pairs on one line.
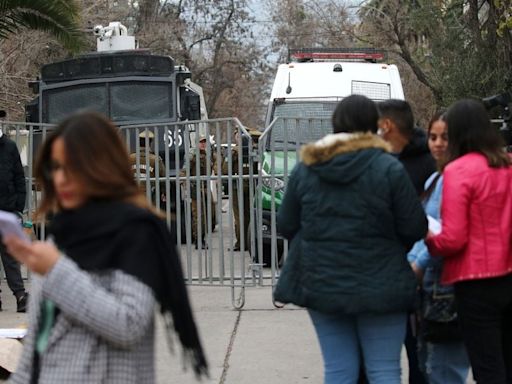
[[59, 18]]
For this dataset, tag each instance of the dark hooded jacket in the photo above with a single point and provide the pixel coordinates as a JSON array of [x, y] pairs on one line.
[[12, 178], [351, 214], [417, 160]]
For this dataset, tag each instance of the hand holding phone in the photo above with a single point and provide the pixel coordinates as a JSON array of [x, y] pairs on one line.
[[38, 256], [10, 225]]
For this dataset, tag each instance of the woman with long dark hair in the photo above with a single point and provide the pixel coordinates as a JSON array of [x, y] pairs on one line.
[[442, 353], [91, 312], [476, 238]]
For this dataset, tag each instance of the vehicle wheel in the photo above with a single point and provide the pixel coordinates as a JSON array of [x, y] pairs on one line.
[[267, 251]]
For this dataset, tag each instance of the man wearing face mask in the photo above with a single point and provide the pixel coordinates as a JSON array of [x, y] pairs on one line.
[[409, 143], [12, 199]]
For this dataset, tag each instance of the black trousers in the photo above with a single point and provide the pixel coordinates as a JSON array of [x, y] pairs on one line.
[[485, 312], [12, 272]]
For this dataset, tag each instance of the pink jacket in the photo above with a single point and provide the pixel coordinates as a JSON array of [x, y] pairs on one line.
[[476, 217]]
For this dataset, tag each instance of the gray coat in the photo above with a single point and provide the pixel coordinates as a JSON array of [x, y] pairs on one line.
[[103, 334]]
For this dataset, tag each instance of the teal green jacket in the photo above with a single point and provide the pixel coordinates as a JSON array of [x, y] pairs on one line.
[[351, 214]]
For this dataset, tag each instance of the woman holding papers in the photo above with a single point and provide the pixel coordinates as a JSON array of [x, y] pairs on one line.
[[111, 261], [476, 238], [442, 356], [352, 213]]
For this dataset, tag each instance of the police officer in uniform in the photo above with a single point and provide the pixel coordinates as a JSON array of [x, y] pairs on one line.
[[247, 145], [147, 167], [199, 154]]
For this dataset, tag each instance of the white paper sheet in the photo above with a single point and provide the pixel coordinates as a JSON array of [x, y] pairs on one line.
[[434, 225], [12, 333], [10, 225]]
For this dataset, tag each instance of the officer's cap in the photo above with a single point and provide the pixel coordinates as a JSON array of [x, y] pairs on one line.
[[202, 138], [254, 132], [146, 135]]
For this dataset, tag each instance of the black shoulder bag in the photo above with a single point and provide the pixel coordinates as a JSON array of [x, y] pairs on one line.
[[440, 321]]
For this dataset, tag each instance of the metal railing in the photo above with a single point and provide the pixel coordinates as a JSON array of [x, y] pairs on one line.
[[215, 199]]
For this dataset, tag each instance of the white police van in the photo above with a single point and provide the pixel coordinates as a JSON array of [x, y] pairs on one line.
[[314, 80], [305, 93]]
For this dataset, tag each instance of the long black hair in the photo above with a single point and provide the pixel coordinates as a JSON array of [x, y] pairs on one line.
[[470, 130]]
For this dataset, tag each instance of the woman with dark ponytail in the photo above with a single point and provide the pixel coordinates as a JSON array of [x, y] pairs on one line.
[[351, 214]]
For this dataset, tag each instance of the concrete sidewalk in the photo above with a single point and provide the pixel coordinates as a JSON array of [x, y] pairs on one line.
[[259, 344]]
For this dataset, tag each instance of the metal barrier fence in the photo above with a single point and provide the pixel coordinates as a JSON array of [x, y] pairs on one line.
[[218, 187], [199, 192], [279, 151]]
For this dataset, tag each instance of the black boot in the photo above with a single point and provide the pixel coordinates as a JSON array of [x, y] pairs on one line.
[[21, 302]]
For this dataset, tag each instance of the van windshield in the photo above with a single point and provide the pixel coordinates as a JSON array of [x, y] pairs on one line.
[[299, 123]]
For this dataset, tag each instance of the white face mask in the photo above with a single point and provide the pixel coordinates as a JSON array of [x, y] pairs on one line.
[[380, 132]]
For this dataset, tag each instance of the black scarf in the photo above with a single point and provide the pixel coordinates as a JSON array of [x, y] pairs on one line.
[[97, 237]]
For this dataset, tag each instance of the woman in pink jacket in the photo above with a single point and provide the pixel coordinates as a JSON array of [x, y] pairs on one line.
[[476, 238]]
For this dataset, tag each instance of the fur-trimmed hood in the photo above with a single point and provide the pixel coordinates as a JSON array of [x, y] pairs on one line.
[[341, 157], [335, 144]]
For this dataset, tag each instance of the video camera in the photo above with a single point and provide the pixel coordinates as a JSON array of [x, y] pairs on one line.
[[501, 99], [504, 102]]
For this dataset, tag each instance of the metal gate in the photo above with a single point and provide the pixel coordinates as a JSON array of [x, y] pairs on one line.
[[278, 152], [219, 197], [202, 193], [203, 190]]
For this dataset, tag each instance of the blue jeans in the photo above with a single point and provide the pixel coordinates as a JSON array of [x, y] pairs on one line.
[[444, 363], [344, 339]]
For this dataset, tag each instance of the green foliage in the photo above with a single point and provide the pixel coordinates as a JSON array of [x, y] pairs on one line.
[[56, 17], [454, 47], [505, 21]]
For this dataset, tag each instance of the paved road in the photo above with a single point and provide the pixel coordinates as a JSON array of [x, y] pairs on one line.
[[259, 344]]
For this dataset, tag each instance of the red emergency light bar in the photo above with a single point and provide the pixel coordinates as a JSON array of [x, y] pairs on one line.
[[319, 54]]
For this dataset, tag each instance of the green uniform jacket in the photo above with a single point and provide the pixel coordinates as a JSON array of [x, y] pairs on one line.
[[149, 169], [199, 156], [352, 214]]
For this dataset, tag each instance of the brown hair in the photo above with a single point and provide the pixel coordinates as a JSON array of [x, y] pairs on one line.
[[438, 116], [97, 155]]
